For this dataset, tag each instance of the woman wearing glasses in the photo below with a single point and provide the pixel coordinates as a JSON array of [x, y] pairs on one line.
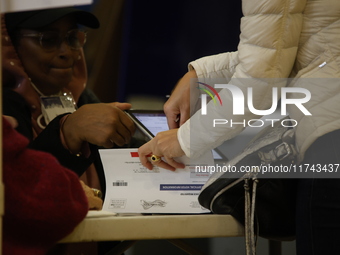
[[44, 79]]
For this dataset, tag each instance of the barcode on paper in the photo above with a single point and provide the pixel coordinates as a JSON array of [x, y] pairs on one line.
[[120, 183]]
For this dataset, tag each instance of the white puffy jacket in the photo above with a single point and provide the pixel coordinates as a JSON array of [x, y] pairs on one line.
[[295, 39]]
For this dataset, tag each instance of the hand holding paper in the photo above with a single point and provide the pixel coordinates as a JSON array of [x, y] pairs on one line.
[[164, 144]]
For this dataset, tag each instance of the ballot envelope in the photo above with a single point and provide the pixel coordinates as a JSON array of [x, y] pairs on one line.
[[132, 188]]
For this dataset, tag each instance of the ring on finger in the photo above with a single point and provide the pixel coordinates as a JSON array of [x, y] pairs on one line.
[[97, 193], [154, 158]]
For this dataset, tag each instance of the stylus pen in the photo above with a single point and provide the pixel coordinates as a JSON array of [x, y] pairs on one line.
[[139, 126]]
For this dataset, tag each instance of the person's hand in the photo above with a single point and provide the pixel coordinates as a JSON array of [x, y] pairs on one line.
[[177, 107], [95, 203], [100, 124], [164, 144], [11, 120]]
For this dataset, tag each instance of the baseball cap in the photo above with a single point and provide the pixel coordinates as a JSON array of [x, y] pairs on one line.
[[41, 18]]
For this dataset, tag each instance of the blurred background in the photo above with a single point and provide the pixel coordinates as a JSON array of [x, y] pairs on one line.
[[140, 52], [143, 47]]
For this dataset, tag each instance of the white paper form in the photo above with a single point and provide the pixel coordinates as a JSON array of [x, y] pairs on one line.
[[132, 188]]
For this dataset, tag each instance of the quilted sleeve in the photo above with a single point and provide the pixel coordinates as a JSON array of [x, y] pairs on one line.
[[220, 65], [269, 38], [270, 32]]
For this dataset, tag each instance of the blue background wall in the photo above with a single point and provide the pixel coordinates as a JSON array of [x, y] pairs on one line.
[[161, 37]]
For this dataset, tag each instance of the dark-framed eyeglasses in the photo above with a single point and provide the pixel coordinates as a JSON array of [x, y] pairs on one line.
[[51, 40]]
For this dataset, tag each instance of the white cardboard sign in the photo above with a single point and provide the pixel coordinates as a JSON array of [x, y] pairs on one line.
[[25, 5]]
